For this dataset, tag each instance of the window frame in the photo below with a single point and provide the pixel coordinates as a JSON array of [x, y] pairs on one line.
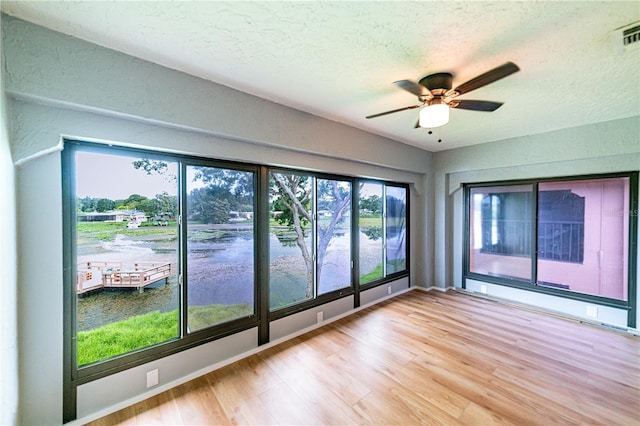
[[532, 285], [220, 330], [316, 299], [386, 277], [391, 275]]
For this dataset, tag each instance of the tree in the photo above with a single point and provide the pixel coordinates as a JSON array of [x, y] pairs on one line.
[[154, 167], [335, 199], [104, 204], [87, 204], [225, 191], [167, 204], [207, 206], [291, 194], [371, 204]]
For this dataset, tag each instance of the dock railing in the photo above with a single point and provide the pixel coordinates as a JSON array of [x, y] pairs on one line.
[[97, 274]]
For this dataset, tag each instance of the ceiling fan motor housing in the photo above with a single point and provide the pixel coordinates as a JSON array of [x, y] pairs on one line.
[[442, 80]]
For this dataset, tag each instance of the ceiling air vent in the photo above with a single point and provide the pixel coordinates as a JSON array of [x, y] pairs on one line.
[[631, 35]]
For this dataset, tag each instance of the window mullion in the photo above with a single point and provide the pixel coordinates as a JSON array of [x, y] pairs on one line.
[[182, 256], [314, 234], [384, 231], [534, 235]]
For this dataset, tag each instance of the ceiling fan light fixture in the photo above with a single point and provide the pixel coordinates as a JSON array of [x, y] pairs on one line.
[[434, 115]]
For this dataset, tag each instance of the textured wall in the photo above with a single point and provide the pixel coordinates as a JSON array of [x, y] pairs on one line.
[[8, 274]]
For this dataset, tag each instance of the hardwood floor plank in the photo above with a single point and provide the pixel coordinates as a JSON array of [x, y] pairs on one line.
[[299, 366], [198, 403], [420, 358], [158, 410], [240, 405], [477, 415]]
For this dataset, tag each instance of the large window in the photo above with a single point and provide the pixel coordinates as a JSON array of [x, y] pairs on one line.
[[162, 247], [165, 252], [569, 237]]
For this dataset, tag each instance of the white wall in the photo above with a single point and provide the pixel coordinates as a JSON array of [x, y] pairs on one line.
[[8, 274], [600, 148], [60, 86]]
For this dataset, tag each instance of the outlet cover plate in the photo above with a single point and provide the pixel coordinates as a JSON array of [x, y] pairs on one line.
[[152, 378]]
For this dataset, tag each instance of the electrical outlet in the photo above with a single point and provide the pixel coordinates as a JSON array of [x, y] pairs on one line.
[[592, 311], [320, 316], [389, 290], [483, 289], [152, 378]]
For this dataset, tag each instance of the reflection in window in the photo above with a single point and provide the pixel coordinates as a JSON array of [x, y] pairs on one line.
[[583, 236], [126, 252], [560, 225], [371, 257], [220, 260], [500, 231], [334, 235], [310, 237], [396, 229], [291, 265]]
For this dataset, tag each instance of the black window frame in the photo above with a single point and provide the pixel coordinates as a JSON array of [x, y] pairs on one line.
[[324, 298], [532, 284], [240, 324], [386, 277]]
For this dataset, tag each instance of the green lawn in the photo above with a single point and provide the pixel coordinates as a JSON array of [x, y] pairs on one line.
[[373, 275], [150, 329], [126, 336]]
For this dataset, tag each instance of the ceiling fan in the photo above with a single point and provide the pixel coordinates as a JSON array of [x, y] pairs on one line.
[[436, 96]]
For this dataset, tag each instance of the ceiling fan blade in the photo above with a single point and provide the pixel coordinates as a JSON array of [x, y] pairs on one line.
[[392, 111], [413, 87], [486, 106], [487, 78]]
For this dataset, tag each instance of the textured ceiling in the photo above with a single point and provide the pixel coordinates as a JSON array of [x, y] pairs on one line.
[[338, 59]]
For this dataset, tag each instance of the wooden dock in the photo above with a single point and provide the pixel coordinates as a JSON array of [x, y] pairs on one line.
[[95, 274]]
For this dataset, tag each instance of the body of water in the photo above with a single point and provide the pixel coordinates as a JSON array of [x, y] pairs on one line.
[[219, 271]]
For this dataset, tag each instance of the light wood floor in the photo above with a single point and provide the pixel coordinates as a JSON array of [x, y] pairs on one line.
[[420, 358]]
